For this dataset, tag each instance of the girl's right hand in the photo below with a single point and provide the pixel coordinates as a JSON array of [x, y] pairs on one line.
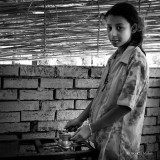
[[73, 125]]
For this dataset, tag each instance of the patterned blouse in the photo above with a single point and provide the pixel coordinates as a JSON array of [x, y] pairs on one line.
[[124, 83]]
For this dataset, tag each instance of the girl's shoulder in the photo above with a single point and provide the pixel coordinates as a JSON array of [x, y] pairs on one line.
[[138, 56]]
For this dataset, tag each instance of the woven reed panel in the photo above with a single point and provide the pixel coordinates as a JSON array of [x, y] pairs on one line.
[[39, 29]]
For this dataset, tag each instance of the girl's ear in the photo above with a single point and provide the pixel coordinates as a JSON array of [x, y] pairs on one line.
[[134, 28]]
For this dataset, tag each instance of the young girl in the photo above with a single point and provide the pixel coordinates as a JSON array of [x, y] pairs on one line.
[[116, 113]]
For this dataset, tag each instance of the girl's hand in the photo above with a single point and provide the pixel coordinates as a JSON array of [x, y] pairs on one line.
[[73, 125], [82, 134]]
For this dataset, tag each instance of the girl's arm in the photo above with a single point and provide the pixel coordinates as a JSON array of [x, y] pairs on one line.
[[107, 119], [110, 117]]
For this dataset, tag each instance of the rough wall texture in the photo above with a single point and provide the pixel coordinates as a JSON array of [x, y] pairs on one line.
[[37, 101]]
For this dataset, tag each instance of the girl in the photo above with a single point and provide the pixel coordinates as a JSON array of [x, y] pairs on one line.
[[116, 113]]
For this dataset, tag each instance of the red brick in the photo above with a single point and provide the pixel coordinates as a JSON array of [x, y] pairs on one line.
[[8, 94], [92, 93], [154, 82], [20, 83], [10, 117], [38, 135], [149, 121], [43, 71], [87, 83], [68, 114], [47, 126], [19, 106], [27, 149], [154, 72], [152, 147], [158, 154], [36, 95], [37, 115], [153, 102], [67, 71], [158, 119], [82, 104], [14, 127], [151, 129], [153, 111], [9, 70], [154, 92], [58, 105], [71, 94], [148, 139], [8, 137], [97, 72], [56, 83]]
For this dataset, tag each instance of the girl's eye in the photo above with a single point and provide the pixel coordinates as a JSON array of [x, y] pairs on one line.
[[119, 28], [109, 28]]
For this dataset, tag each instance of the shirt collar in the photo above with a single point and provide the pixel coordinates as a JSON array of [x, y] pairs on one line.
[[126, 54]]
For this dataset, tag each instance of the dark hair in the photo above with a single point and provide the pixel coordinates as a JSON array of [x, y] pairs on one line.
[[130, 13]]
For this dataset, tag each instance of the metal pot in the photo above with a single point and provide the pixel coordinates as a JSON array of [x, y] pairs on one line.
[[64, 140]]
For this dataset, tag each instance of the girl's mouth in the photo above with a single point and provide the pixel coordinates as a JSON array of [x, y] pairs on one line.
[[115, 41]]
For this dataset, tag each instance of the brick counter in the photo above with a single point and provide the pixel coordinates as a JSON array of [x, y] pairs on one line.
[[37, 101]]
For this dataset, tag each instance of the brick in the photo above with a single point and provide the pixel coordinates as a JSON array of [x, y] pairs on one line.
[[38, 135], [152, 147], [148, 139], [153, 111], [14, 127], [43, 71], [27, 149], [151, 129], [36, 95], [70, 71], [56, 83], [20, 83], [153, 102], [71, 94], [158, 154], [37, 115], [19, 106], [8, 137], [58, 105], [51, 126], [97, 72], [82, 104], [154, 92], [68, 114], [10, 117], [154, 72], [154, 82], [8, 94], [87, 83], [141, 148], [47, 126], [11, 70], [149, 121], [146, 156], [158, 119], [92, 93]]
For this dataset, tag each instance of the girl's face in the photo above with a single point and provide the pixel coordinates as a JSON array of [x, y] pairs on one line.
[[119, 30]]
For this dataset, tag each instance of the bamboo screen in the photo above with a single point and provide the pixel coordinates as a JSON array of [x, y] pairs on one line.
[[39, 29]]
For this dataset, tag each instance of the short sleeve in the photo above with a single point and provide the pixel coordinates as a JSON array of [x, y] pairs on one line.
[[134, 83]]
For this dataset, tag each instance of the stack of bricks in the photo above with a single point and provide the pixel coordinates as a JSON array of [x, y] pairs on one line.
[[37, 102]]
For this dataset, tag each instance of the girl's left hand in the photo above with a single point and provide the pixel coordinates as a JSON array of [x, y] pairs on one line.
[[82, 134]]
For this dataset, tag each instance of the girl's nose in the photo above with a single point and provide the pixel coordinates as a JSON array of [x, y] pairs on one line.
[[114, 32]]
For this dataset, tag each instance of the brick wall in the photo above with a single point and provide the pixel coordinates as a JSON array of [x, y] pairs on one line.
[[37, 101]]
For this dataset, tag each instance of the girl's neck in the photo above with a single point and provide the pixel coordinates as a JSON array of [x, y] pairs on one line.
[[122, 48]]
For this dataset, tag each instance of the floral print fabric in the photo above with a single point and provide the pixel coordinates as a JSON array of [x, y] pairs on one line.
[[124, 83]]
